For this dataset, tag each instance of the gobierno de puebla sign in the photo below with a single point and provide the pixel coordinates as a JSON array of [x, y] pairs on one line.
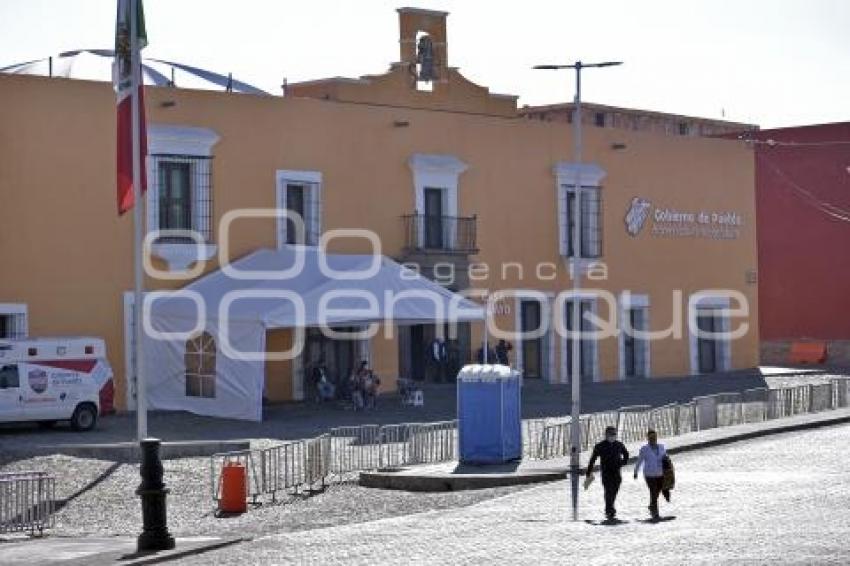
[[673, 223]]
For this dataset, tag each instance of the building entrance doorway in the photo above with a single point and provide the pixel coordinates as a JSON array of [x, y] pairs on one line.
[[635, 347], [338, 356], [708, 347], [532, 348], [416, 360], [434, 218]]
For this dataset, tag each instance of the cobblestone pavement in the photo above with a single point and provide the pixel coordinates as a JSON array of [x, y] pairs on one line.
[[779, 500], [97, 498], [303, 420]]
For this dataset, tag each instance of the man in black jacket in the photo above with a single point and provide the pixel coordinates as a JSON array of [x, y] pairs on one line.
[[612, 455]]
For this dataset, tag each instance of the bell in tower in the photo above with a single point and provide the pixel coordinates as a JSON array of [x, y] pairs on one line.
[[425, 69], [422, 43]]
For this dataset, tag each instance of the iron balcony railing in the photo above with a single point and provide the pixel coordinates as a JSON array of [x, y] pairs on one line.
[[441, 233]]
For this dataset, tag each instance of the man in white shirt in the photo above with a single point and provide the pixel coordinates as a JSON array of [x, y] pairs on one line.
[[651, 457]]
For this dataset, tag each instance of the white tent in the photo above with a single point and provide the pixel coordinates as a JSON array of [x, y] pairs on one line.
[[285, 288], [96, 65]]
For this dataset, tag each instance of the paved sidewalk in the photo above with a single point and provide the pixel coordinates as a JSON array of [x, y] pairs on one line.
[[99, 551], [772, 500]]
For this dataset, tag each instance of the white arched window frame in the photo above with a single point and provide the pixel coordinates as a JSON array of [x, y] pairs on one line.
[[311, 184], [169, 140], [587, 199]]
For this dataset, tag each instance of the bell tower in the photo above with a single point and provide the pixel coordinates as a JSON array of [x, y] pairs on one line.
[[420, 78], [422, 44]]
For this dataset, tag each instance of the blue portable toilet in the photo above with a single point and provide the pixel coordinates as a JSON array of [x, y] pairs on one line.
[[489, 418]]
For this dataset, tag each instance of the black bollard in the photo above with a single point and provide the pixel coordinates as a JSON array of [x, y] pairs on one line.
[[152, 490]]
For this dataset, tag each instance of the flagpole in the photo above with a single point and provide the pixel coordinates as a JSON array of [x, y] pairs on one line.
[[138, 219]]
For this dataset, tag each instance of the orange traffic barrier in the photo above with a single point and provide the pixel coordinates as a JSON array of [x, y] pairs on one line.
[[234, 489], [807, 353]]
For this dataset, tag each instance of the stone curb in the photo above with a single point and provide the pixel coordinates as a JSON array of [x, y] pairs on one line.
[[406, 479], [451, 482]]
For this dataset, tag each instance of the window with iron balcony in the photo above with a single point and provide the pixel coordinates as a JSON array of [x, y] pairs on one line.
[[184, 188]]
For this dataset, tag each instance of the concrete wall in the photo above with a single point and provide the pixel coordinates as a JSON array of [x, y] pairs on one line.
[[804, 263]]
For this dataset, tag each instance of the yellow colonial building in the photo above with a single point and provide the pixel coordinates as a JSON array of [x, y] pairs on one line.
[[455, 181]]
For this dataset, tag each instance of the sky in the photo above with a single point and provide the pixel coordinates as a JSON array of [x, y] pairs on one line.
[[769, 62]]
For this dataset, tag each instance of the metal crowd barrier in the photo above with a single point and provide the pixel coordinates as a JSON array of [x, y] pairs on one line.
[[254, 475], [393, 451], [686, 417], [27, 502], [665, 420], [317, 461], [728, 407], [344, 452], [789, 401], [753, 411], [633, 422], [820, 397], [533, 437], [432, 443], [595, 425], [546, 438], [556, 441], [354, 449], [840, 392], [283, 468]]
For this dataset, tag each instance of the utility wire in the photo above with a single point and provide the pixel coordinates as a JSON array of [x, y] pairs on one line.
[[808, 197]]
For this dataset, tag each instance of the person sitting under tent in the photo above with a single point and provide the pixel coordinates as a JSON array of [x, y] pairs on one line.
[[321, 387], [325, 388], [373, 383], [357, 385]]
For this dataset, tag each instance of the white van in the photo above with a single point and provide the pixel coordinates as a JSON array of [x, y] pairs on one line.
[[46, 380]]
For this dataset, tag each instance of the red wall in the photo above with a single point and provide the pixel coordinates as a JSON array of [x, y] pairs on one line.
[[804, 253]]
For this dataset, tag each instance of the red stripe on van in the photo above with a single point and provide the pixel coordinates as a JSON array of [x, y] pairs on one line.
[[84, 366]]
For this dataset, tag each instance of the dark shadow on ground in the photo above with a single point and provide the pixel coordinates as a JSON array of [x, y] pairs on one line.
[[505, 468], [60, 503]]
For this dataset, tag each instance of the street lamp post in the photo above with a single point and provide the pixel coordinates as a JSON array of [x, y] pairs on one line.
[[577, 256]]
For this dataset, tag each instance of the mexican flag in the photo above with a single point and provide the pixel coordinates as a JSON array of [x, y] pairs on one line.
[[124, 81]]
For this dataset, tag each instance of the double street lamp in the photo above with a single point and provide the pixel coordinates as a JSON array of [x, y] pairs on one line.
[[575, 370]]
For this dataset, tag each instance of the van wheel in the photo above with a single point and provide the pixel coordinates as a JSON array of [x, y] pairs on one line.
[[46, 424], [84, 418]]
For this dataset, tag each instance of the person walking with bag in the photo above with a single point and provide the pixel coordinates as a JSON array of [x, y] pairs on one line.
[[612, 456], [652, 456]]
